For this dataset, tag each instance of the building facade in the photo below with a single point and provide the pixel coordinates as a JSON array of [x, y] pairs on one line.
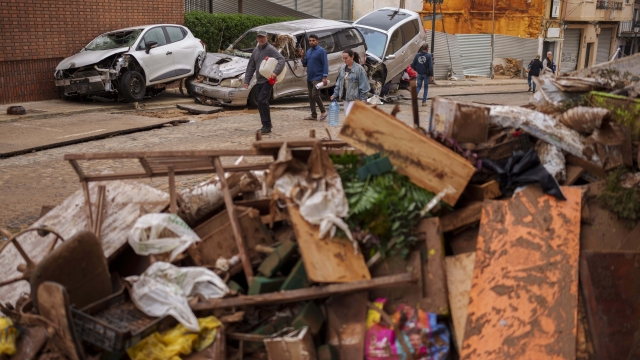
[[37, 34], [629, 32]]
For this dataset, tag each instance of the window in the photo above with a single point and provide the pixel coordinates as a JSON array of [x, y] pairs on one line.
[[409, 31], [175, 33], [114, 40], [348, 38], [395, 42], [376, 40], [326, 40], [155, 34]]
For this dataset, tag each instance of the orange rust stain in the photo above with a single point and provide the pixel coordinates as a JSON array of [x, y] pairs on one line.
[[513, 17], [523, 299]]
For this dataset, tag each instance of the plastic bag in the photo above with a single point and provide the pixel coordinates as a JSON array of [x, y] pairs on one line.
[[177, 341], [8, 335], [161, 233], [165, 289]]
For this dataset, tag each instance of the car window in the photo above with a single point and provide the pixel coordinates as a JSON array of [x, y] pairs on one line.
[[114, 40], [326, 40], [375, 40], [384, 19], [416, 23], [348, 38], [409, 31], [175, 33], [155, 34], [395, 42]]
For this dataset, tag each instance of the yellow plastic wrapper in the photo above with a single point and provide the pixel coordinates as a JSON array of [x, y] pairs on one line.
[[175, 342], [8, 336], [373, 317]]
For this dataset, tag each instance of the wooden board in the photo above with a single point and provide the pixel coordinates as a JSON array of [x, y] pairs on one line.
[[121, 210], [610, 281], [326, 260], [459, 275], [425, 161], [573, 174], [346, 324], [524, 293], [461, 217], [434, 296], [486, 191]]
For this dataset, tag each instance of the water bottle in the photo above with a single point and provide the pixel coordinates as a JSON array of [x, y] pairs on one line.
[[334, 113]]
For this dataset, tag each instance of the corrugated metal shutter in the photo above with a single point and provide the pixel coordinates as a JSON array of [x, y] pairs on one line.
[[196, 5], [288, 3], [475, 52], [252, 7], [327, 9], [604, 45], [310, 7], [515, 47], [570, 50], [445, 44]]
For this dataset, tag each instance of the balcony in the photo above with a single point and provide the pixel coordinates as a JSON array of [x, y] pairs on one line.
[[608, 5], [599, 10]]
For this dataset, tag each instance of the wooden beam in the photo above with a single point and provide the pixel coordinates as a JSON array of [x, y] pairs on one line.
[[462, 217], [173, 200], [590, 167], [145, 165], [486, 191], [426, 162], [78, 169], [87, 204], [176, 154], [208, 170], [316, 292], [294, 143], [99, 211], [573, 174], [233, 219]]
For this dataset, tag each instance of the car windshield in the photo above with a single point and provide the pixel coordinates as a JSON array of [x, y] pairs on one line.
[[114, 40], [246, 43], [375, 40]]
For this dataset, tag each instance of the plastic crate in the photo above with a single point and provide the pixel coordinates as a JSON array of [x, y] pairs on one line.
[[505, 149], [115, 324]]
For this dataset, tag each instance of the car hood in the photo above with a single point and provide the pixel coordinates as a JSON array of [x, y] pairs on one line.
[[223, 66], [85, 58]]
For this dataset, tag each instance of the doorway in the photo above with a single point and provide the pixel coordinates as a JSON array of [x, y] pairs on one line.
[[587, 56]]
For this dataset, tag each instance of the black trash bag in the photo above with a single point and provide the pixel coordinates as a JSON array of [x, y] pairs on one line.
[[522, 169]]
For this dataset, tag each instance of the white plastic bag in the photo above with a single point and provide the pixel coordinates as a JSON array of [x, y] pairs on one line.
[[165, 289], [145, 239]]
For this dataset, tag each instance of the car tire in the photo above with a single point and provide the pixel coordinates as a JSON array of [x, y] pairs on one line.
[[252, 101], [377, 78], [132, 86]]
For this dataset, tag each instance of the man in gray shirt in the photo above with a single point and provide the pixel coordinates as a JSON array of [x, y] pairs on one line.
[[263, 86]]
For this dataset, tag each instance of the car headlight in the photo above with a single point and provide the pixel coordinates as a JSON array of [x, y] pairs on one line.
[[232, 83]]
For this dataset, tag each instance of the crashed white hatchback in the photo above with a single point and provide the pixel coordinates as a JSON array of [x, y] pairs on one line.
[[131, 63]]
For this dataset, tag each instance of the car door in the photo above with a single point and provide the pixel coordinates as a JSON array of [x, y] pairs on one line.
[[184, 52], [295, 80], [158, 63], [393, 54], [410, 30]]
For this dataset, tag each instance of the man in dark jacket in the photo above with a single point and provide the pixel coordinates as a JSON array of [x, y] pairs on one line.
[[547, 63], [535, 70], [317, 64], [263, 86], [423, 65]]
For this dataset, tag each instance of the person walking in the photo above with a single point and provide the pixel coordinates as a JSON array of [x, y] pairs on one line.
[[547, 63], [263, 85], [529, 72], [352, 83], [423, 65], [535, 70], [317, 64]]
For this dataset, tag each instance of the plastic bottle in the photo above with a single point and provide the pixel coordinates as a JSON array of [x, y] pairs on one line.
[[334, 113]]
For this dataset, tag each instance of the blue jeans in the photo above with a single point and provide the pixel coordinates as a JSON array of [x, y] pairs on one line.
[[423, 78], [529, 79], [533, 83]]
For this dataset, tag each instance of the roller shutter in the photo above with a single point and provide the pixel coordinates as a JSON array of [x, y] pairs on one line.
[[570, 50], [604, 46], [475, 52]]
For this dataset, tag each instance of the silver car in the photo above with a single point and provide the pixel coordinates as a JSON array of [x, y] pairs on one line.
[[221, 78], [393, 36]]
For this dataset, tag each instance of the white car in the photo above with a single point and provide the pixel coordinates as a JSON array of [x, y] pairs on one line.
[[131, 63]]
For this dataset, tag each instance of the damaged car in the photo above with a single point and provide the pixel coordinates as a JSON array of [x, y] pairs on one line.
[[132, 63], [221, 78]]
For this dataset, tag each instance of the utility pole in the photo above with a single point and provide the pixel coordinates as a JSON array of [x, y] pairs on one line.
[[433, 26], [493, 35]]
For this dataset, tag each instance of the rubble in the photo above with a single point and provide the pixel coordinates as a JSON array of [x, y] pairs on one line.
[[398, 242]]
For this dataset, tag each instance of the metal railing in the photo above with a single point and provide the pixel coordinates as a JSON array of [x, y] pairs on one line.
[[626, 26], [608, 5]]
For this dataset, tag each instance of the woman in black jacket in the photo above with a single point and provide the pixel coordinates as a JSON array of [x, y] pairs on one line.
[[536, 68]]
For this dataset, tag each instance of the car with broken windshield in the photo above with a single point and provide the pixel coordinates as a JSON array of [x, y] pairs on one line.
[[129, 64], [221, 78]]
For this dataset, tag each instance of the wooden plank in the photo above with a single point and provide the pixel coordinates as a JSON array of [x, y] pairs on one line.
[[145, 166], [346, 324], [123, 202], [573, 174], [87, 204], [170, 154], [592, 168], [426, 162], [164, 173], [316, 292], [610, 283], [461, 217], [434, 296], [173, 198], [326, 260], [459, 275], [233, 219], [524, 292], [487, 191], [632, 241], [294, 143], [78, 169]]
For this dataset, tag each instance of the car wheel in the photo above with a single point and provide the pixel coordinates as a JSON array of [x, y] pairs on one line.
[[132, 86], [252, 101], [377, 83]]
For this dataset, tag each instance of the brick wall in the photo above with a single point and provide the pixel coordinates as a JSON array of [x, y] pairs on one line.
[[36, 34]]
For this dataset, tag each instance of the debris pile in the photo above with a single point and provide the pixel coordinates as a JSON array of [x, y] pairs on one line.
[[499, 230], [510, 68]]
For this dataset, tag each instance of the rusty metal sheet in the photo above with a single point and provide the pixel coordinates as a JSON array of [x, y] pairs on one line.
[[123, 203], [611, 285], [524, 292]]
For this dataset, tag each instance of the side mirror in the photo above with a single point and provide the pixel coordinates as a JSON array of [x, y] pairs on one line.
[[390, 57], [149, 45]]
